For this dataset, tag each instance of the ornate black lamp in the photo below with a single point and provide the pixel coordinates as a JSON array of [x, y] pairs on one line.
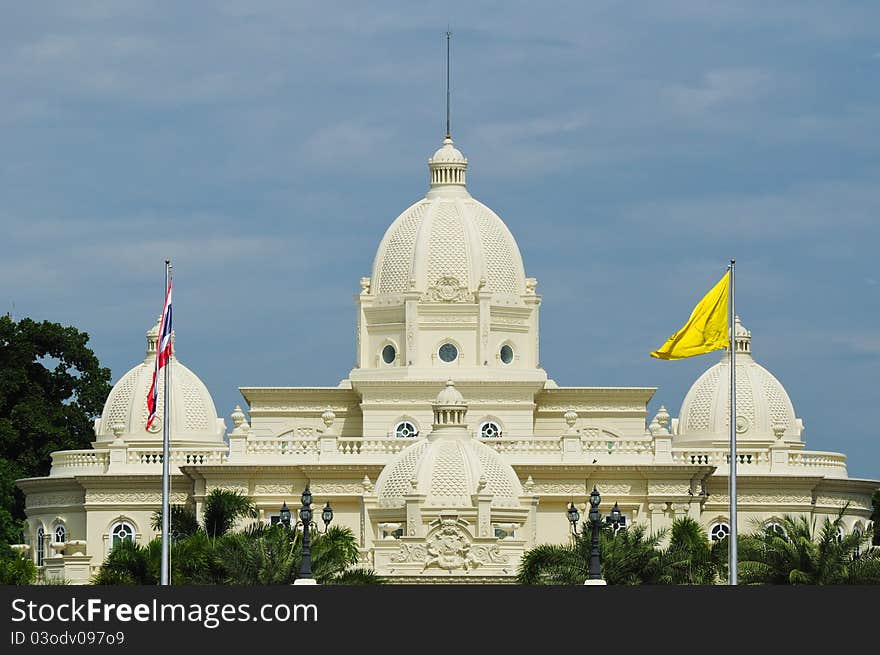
[[615, 517], [573, 517], [284, 514], [305, 520], [595, 520]]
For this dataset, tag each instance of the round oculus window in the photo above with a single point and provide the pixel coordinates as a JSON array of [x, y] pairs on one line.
[[405, 430], [448, 352], [506, 354], [388, 354]]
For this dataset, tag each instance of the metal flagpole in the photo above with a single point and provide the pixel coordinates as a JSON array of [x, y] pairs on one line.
[[731, 556], [166, 426]]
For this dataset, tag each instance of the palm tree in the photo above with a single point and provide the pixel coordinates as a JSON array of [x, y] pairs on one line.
[[130, 563], [690, 558], [273, 554], [213, 553], [796, 552], [875, 515], [628, 557], [222, 509]]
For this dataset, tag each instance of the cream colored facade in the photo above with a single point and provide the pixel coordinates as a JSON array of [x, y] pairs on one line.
[[442, 481]]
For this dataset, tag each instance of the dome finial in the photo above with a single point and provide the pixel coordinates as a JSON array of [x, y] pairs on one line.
[[742, 338]]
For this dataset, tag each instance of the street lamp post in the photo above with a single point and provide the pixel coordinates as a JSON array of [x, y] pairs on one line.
[[616, 519], [595, 517], [305, 520]]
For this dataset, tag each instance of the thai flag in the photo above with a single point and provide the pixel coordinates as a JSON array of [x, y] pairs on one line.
[[163, 353]]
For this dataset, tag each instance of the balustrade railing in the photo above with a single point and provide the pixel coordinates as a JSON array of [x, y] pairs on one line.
[[80, 459], [817, 459]]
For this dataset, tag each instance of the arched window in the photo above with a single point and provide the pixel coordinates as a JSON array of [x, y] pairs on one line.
[[41, 546], [840, 533], [620, 525], [406, 430], [858, 529], [60, 534], [776, 528], [490, 430], [719, 531], [119, 532]]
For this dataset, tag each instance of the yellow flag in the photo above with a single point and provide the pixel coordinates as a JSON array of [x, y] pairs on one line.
[[706, 329]]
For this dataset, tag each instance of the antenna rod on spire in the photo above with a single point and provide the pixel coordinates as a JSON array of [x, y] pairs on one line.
[[448, 39]]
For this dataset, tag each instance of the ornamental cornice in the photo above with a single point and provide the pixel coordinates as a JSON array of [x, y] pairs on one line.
[[34, 501], [347, 487], [856, 501], [612, 488], [560, 487], [273, 489], [230, 485], [762, 499], [668, 489], [128, 497]]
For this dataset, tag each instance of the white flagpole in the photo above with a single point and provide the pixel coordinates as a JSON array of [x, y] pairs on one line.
[[732, 555], [166, 425]]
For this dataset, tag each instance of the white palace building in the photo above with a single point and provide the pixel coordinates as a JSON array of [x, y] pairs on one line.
[[447, 450]]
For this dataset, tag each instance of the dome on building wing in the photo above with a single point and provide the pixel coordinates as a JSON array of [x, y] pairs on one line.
[[193, 415], [448, 243], [449, 466], [763, 408]]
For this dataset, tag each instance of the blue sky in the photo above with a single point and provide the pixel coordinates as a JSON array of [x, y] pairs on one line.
[[632, 148]]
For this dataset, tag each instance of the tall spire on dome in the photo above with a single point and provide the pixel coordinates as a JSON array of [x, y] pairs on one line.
[[448, 165], [448, 92]]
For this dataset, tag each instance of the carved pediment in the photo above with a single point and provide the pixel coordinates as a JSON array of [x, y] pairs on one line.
[[448, 289]]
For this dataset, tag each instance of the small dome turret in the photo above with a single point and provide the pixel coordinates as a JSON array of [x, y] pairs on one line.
[[194, 418], [448, 245], [449, 466], [764, 411]]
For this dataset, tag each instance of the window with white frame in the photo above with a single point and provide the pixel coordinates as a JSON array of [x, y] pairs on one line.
[[490, 429], [121, 531], [41, 546], [719, 531], [60, 534], [406, 430]]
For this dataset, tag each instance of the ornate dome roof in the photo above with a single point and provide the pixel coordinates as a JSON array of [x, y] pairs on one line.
[[763, 407], [193, 415], [449, 466], [448, 242]]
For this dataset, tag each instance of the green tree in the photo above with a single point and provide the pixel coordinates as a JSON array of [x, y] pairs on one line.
[[223, 508], [628, 557], [875, 516], [16, 568], [273, 554], [51, 388], [799, 552], [214, 553], [690, 558]]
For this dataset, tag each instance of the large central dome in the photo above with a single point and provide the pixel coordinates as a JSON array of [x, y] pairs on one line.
[[448, 242]]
